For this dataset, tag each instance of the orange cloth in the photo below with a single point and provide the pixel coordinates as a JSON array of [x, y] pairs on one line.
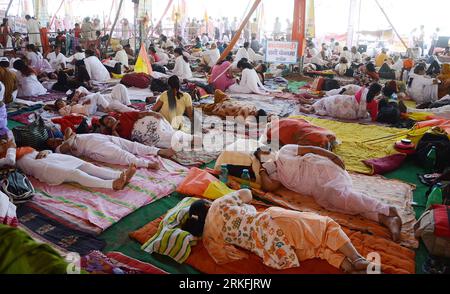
[[444, 77], [22, 151]]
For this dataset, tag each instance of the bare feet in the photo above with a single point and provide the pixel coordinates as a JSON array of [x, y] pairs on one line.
[[120, 183], [307, 109], [154, 166], [130, 172], [67, 134], [393, 222]]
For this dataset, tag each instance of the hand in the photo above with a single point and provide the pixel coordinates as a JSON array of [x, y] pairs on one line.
[[42, 155], [166, 153]]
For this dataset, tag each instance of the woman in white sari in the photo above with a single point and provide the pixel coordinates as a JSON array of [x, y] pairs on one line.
[[37, 62], [250, 82]]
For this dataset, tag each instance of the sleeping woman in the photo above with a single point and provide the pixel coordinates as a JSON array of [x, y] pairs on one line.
[[348, 107], [299, 236]]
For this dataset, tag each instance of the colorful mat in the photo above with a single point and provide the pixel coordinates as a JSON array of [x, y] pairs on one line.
[[50, 96], [354, 137], [103, 208], [391, 192], [54, 232]]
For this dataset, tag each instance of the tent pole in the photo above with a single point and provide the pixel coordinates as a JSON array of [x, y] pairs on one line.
[[161, 19], [390, 23], [54, 16], [239, 31], [8, 8], [114, 25]]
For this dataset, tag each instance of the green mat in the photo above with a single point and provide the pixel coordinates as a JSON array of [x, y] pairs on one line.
[[408, 173]]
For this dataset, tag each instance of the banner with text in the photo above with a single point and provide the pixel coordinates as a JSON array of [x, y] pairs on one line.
[[281, 52]]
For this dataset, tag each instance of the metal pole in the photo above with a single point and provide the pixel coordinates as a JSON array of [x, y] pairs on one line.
[[390, 23], [8, 8], [114, 25]]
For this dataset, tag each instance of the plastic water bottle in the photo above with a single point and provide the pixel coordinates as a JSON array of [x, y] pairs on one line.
[[224, 174], [245, 179], [435, 196], [431, 159]]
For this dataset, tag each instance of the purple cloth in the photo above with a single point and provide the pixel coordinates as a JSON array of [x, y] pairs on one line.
[[3, 121]]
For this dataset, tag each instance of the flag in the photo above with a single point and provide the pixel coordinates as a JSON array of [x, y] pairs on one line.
[[143, 63]]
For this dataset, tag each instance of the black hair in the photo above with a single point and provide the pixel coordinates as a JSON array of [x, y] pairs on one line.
[[78, 49], [374, 91], [174, 90], [58, 101], [246, 45], [31, 47], [179, 51], [243, 64], [101, 121], [370, 67], [195, 224], [419, 67], [4, 64], [260, 114], [228, 58], [152, 49], [345, 48], [89, 53]]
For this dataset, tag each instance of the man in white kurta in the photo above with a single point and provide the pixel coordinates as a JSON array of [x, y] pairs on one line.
[[108, 149], [56, 59], [56, 169], [422, 89], [96, 70], [34, 35], [122, 57], [249, 83]]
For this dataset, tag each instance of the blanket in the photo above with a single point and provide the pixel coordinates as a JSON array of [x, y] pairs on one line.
[[102, 208], [50, 96], [65, 238], [392, 192], [355, 146], [394, 258]]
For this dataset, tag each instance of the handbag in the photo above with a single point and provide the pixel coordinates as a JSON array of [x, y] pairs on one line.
[[17, 187], [34, 135]]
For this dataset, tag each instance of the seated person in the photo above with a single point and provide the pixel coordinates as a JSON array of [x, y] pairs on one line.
[[321, 174], [367, 74], [78, 56], [94, 67], [56, 169], [348, 107], [108, 149], [250, 82], [421, 88], [56, 59], [182, 67], [9, 80], [222, 74], [211, 56], [37, 62], [300, 235], [66, 83], [28, 83], [344, 68], [173, 104]]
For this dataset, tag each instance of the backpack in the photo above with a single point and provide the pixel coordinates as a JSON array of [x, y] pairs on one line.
[[442, 145], [434, 229], [138, 80], [34, 135], [330, 84], [17, 187]]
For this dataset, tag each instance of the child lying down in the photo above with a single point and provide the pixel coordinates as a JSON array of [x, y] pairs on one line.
[[282, 238]]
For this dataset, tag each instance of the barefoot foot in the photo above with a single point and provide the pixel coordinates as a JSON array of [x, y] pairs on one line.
[[120, 183]]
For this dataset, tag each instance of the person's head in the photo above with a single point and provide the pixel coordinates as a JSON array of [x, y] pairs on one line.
[[261, 68], [77, 25], [57, 49], [179, 52], [163, 38], [420, 69], [197, 40], [5, 21], [89, 53], [27, 17], [78, 49], [31, 48], [174, 93], [343, 60], [59, 104], [390, 88], [345, 49], [336, 44], [354, 49], [374, 91], [119, 48], [107, 121], [370, 67], [246, 45], [213, 46], [152, 50], [195, 224], [244, 64], [384, 50], [4, 62], [20, 65]]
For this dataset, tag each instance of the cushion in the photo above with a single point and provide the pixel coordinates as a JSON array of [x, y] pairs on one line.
[[170, 239], [200, 183], [381, 166]]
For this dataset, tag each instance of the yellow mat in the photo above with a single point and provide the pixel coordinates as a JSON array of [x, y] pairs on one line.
[[354, 147]]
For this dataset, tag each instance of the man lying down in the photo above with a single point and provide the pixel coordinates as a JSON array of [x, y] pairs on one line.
[[299, 236], [56, 169], [109, 149]]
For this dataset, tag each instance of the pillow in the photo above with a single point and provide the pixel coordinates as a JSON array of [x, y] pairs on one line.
[[381, 166], [170, 239], [200, 183]]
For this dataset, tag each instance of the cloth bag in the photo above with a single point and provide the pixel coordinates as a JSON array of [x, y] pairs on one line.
[[434, 229], [34, 135]]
